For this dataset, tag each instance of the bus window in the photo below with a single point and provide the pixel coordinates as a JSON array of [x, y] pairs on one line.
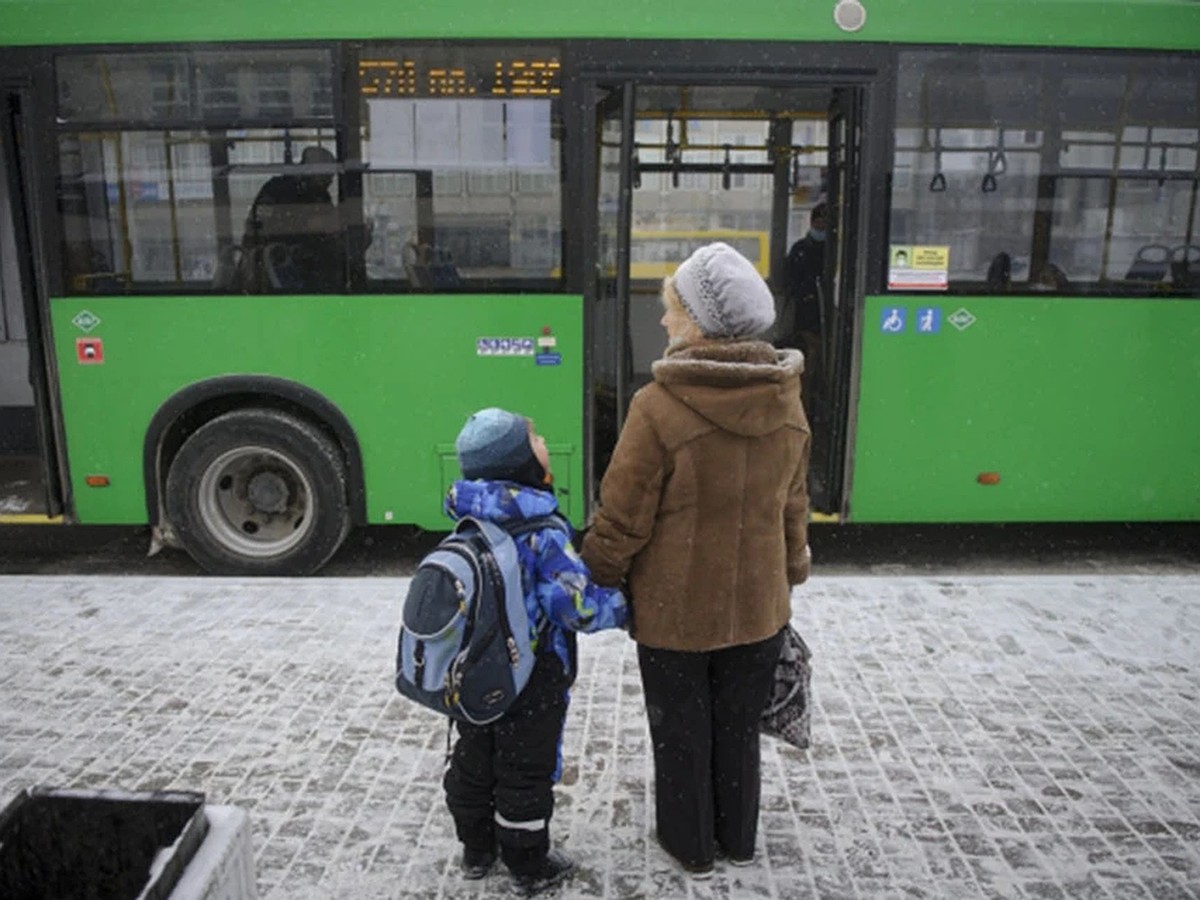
[[462, 147], [152, 203], [131, 218], [230, 86], [672, 211], [1078, 172], [151, 211], [115, 87]]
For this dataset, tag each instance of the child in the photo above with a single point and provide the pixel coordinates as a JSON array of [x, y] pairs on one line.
[[499, 785]]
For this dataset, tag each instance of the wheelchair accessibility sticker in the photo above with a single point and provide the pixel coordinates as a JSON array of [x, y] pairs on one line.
[[893, 319]]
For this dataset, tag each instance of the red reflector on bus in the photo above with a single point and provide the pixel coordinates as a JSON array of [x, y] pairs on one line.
[[96, 481], [988, 478]]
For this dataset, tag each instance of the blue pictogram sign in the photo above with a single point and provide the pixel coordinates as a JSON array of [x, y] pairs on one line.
[[892, 320]]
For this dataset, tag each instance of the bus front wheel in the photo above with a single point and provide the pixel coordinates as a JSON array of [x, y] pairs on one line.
[[258, 492]]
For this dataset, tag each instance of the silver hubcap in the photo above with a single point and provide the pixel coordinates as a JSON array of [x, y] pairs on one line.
[[256, 502]]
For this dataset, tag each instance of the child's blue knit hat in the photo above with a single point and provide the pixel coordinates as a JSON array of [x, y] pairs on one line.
[[494, 444]]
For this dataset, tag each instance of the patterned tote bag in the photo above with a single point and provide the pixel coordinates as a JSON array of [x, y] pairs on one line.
[[788, 713]]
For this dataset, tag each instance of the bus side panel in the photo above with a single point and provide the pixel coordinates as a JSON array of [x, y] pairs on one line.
[[406, 371], [1127, 23], [1085, 410]]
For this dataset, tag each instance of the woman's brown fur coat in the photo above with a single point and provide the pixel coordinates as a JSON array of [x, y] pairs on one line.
[[704, 507]]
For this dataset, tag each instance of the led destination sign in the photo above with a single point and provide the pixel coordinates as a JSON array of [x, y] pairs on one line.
[[411, 76]]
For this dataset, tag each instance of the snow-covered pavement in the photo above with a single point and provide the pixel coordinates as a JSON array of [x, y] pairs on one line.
[[1034, 736]]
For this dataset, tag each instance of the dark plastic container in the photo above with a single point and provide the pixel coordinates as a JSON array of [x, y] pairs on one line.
[[98, 845]]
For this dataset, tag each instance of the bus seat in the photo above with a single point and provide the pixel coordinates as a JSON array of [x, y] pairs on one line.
[[999, 273], [1149, 263], [1185, 266], [443, 271]]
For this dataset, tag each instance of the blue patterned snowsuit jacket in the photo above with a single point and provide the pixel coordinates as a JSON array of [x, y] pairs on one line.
[[559, 592]]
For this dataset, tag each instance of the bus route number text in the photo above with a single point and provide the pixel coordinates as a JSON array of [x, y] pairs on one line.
[[514, 78]]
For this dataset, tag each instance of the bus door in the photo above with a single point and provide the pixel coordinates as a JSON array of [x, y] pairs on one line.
[[839, 289], [748, 160], [611, 367], [676, 166], [30, 489]]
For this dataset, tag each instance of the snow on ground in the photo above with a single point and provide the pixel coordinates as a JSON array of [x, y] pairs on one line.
[[973, 736]]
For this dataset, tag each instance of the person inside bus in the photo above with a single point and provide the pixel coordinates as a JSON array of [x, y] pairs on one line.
[[293, 241], [717, 445], [417, 258], [428, 267], [803, 276]]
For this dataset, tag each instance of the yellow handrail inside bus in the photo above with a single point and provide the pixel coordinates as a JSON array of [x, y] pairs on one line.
[[648, 261]]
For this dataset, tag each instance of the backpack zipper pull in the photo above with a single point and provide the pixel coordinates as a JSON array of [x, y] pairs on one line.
[[419, 663]]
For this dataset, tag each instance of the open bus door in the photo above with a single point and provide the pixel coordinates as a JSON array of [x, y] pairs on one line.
[[608, 323], [30, 486], [840, 289], [665, 157]]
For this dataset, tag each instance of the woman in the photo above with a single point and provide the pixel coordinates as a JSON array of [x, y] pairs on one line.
[[704, 513]]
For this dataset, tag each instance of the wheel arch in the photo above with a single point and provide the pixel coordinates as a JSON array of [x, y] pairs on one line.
[[189, 408]]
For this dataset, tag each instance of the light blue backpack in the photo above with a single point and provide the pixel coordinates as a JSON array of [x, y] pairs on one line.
[[464, 648]]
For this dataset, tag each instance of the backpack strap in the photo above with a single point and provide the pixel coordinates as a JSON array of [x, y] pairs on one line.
[[525, 554], [505, 551], [496, 534], [528, 526]]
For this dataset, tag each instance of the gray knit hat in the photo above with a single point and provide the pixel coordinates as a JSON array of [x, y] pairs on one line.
[[494, 444], [724, 294]]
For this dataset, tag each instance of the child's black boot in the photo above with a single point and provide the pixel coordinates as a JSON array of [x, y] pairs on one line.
[[553, 869], [477, 863]]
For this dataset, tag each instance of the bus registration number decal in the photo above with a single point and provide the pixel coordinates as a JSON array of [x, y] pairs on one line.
[[506, 346]]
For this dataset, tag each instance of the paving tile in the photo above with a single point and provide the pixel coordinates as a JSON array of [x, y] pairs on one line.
[[1007, 737]]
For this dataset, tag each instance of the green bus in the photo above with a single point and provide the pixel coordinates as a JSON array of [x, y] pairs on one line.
[[259, 261]]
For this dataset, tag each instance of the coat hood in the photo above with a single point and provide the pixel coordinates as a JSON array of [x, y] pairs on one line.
[[501, 502], [744, 387]]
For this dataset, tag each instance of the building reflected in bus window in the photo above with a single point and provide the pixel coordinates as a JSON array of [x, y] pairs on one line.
[[152, 203], [1068, 174], [137, 208], [153, 211]]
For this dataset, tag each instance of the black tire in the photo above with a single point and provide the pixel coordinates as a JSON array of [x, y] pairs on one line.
[[258, 492]]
